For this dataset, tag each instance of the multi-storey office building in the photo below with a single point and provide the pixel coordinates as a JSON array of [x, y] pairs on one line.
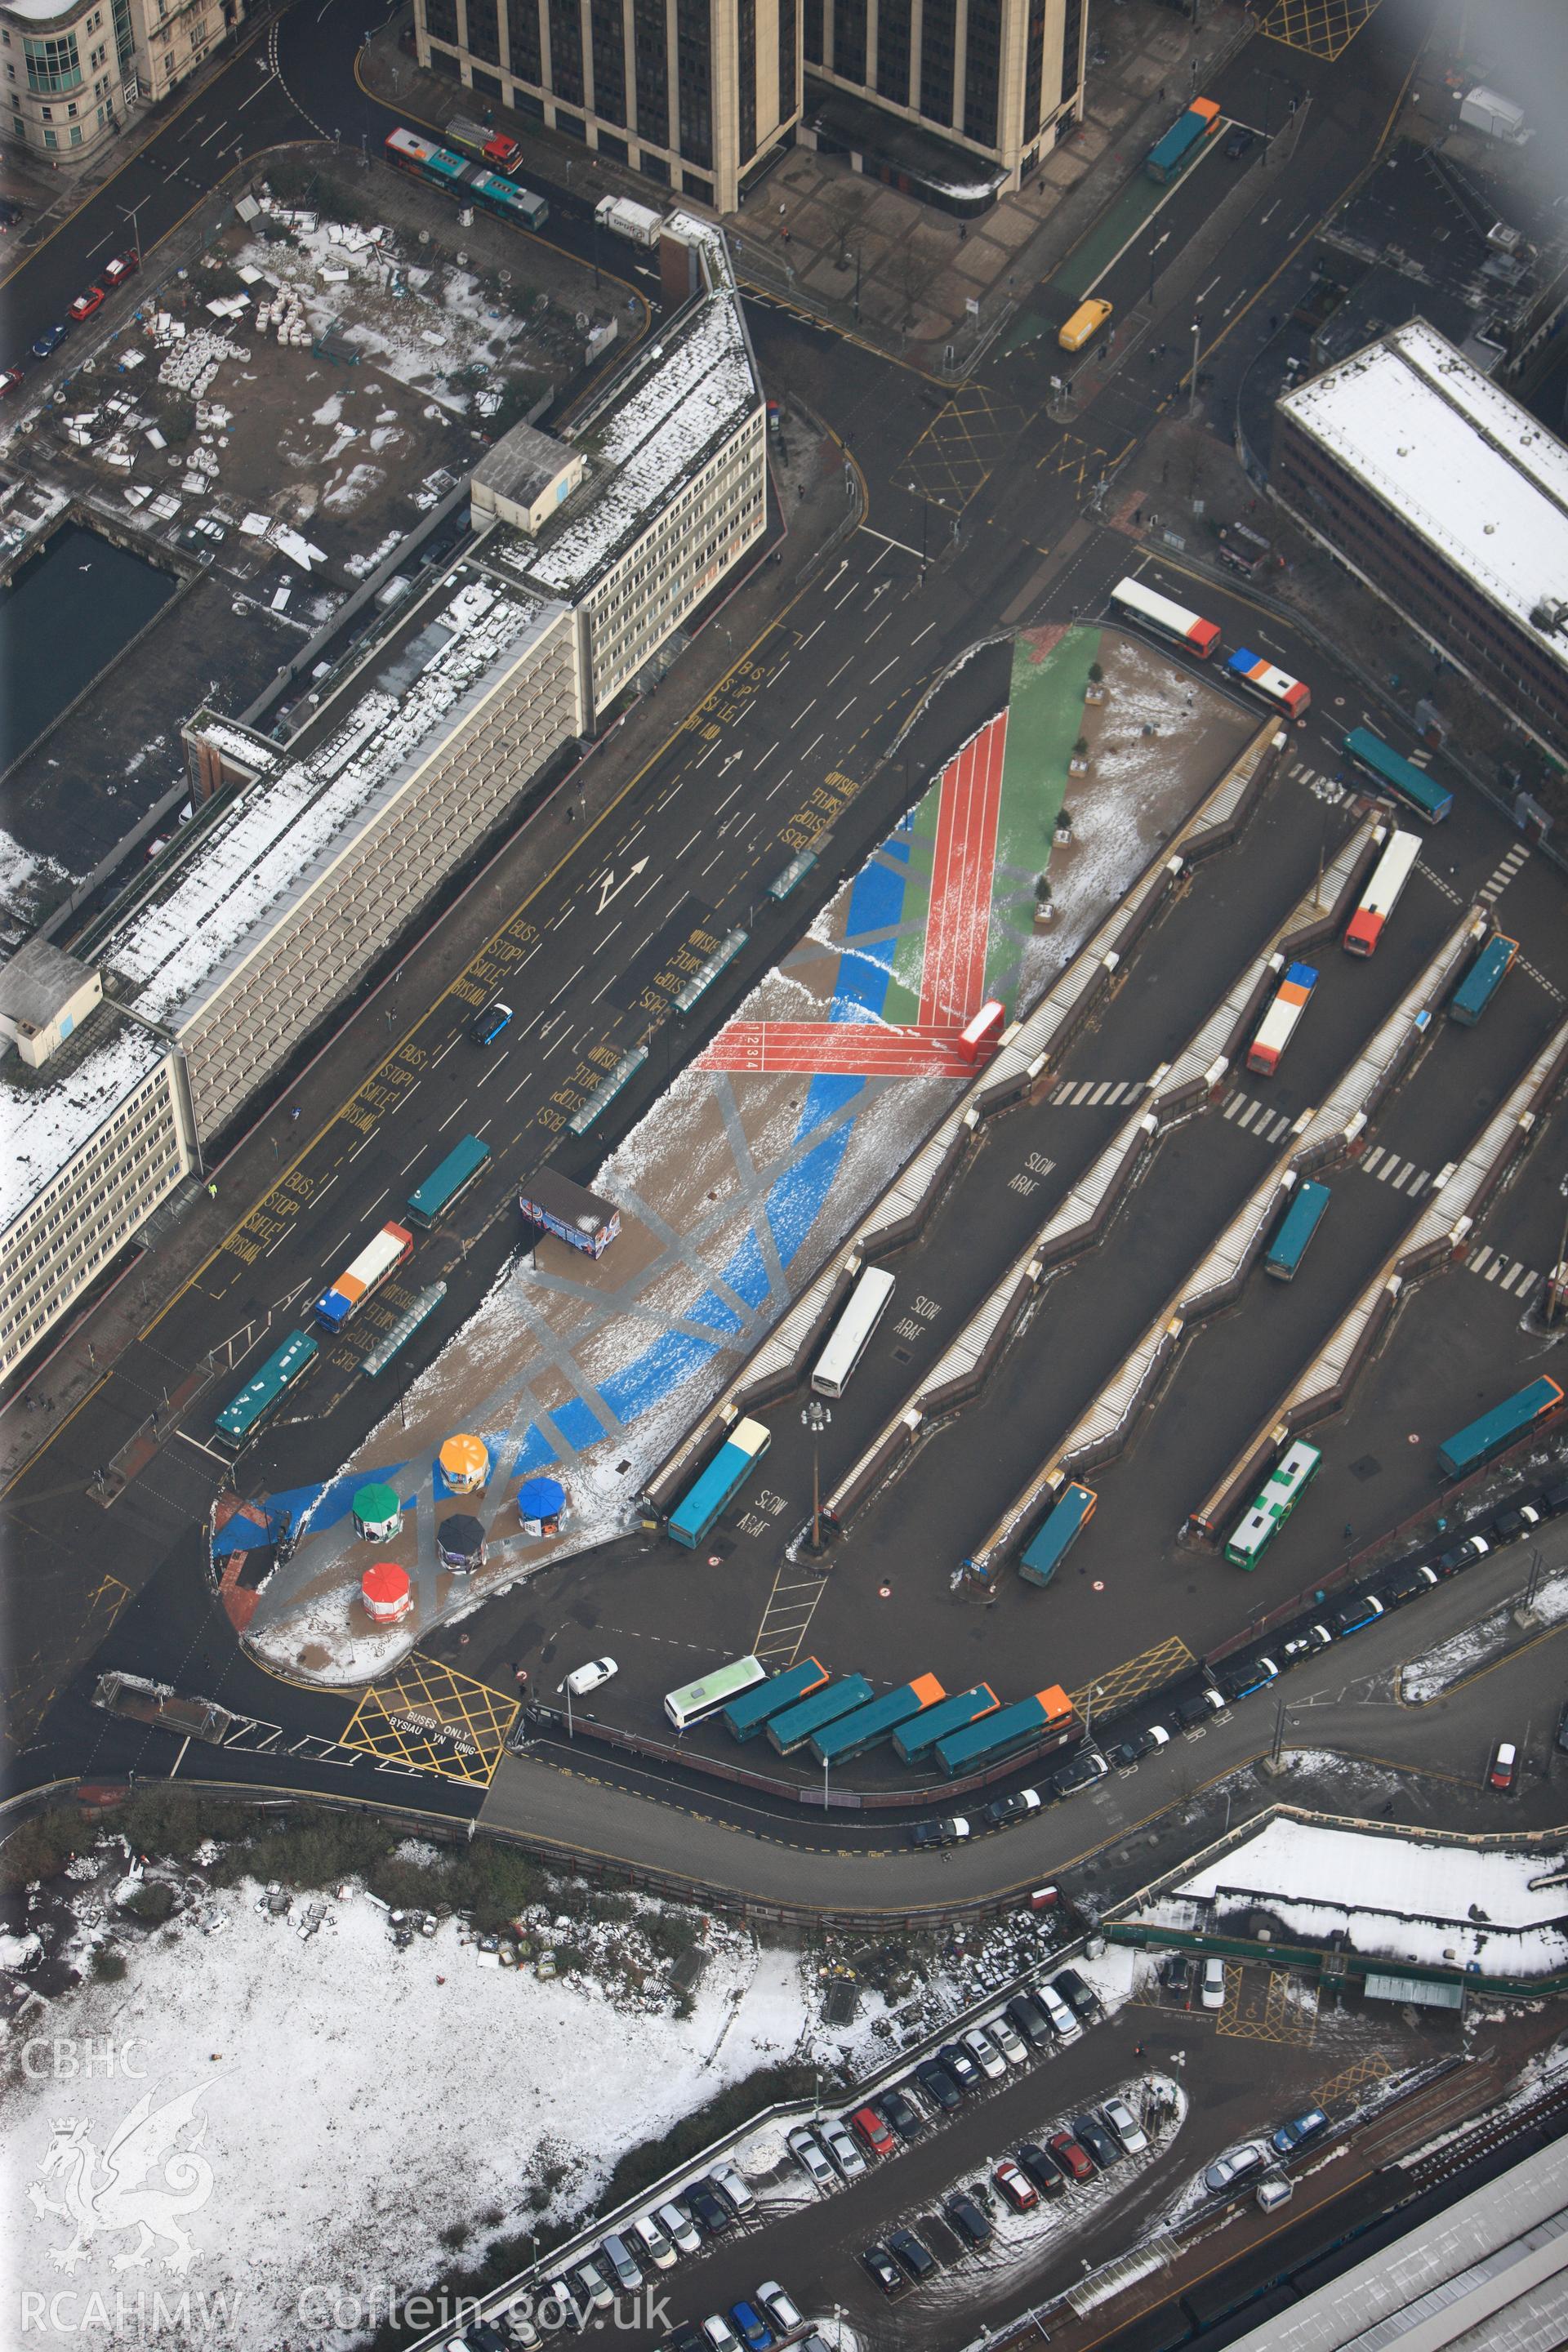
[[74, 71]]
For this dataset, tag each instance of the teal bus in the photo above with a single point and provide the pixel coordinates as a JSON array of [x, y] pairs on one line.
[[1073, 1511], [238, 1422], [719, 1484], [914, 1740], [1028, 1723], [1292, 1475], [755, 1708], [1402, 778], [797, 1725], [1491, 1432], [867, 1727], [1480, 983], [1297, 1226], [446, 1184]]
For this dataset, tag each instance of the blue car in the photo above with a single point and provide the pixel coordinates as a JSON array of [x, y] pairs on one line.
[[750, 2327], [1298, 2130], [50, 342], [487, 1026]]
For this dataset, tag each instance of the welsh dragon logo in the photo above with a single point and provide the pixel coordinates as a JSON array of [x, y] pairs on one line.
[[142, 2180]]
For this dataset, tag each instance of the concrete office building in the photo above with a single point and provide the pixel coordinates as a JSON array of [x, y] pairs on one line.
[[695, 94], [1449, 499], [74, 73]]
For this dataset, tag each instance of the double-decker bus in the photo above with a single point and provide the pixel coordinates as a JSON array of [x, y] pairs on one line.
[[470, 183], [1155, 612], [238, 1422], [1255, 1532], [852, 1332], [1480, 983], [1402, 777], [1297, 1227], [692, 1701], [375, 1264], [1276, 685], [1380, 897], [447, 1181], [1491, 1432]]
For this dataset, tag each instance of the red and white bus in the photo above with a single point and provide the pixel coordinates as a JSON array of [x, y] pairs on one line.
[[1276, 685], [1380, 897], [1199, 637], [978, 1041]]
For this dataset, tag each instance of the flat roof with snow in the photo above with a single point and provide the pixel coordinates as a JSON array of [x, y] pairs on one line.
[[49, 1114], [1462, 464]]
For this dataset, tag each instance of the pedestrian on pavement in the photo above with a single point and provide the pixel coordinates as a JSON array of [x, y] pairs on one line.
[[294, 1114], [212, 1190], [1349, 1531]]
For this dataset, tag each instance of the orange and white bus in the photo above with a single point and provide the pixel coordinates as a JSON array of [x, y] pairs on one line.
[[1141, 604], [1276, 685], [1380, 897]]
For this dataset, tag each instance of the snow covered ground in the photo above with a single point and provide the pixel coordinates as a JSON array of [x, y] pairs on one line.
[[1464, 1653]]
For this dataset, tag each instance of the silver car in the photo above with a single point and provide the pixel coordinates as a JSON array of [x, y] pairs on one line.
[[806, 2151], [836, 2139], [1009, 2043], [984, 2052], [678, 2227]]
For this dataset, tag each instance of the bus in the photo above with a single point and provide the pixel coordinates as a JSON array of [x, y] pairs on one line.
[[1072, 1513], [756, 1706], [1188, 137], [852, 1332], [1480, 984], [1141, 604], [914, 1740], [376, 1263], [1276, 685], [1380, 897], [238, 1422], [1402, 777], [1491, 1432], [1028, 1723], [797, 1725], [446, 1184], [1291, 1476], [1296, 1229], [692, 1701], [470, 183], [867, 1727], [720, 1483], [1278, 1025]]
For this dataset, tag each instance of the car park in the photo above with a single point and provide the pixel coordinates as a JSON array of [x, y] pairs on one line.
[[678, 2227], [884, 2270], [1079, 1996], [1063, 2023], [1240, 1681], [1353, 1616], [1137, 1745], [780, 2308], [963, 2215], [901, 2112], [1041, 2168], [1002, 2035], [50, 342], [1072, 2157], [1203, 1706], [486, 1026], [912, 2253], [1213, 1984], [1408, 1584], [938, 2085], [708, 2209], [1125, 2124], [1084, 1769], [1503, 1770], [950, 1831], [1015, 2184], [717, 2333], [1091, 2132], [1462, 1555], [871, 2130], [9, 379], [841, 2147], [1025, 2013], [1517, 1520], [1274, 2191], [1305, 1644], [85, 305], [808, 2153], [1296, 2131], [123, 266], [983, 2051], [960, 2066], [652, 2242], [1002, 1811], [750, 2327], [590, 1677], [1238, 2163]]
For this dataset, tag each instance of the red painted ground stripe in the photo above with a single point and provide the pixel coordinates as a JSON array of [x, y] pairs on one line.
[[850, 1049], [958, 925], [973, 935]]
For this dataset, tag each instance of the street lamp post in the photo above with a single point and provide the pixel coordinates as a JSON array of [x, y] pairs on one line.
[[1192, 392], [815, 1417]]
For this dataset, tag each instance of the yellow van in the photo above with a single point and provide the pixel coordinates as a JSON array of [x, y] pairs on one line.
[[1084, 325]]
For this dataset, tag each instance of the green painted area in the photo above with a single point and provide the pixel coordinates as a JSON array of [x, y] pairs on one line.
[[1120, 221], [1026, 328], [1045, 719]]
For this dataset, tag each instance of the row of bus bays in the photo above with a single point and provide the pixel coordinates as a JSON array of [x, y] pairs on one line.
[[838, 1718]]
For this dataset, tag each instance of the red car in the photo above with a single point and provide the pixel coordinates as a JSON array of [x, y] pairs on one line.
[[872, 2132], [124, 265], [1016, 2187], [86, 304], [1072, 2159], [9, 379]]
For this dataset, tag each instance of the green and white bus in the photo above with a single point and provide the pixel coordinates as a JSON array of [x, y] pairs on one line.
[[1292, 1475], [692, 1701]]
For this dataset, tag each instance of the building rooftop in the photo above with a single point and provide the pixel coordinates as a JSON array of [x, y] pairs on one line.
[[1461, 463], [36, 981], [524, 464], [49, 1114]]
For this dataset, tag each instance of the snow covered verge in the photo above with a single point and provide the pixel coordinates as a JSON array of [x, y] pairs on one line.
[[1454, 1660]]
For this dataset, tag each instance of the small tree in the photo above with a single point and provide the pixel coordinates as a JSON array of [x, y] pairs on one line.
[[1042, 889], [1095, 673], [1064, 820]]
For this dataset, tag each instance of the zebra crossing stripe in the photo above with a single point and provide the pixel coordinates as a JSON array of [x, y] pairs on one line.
[[1511, 1277], [1103, 1089], [1249, 1114], [1234, 1105], [1494, 1269], [1281, 1124], [1406, 1169], [1062, 1093], [1118, 1090], [1370, 1162], [1526, 1287], [1480, 1258], [1079, 1092]]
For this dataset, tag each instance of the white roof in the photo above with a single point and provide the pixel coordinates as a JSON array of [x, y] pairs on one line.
[[1461, 463], [48, 1122]]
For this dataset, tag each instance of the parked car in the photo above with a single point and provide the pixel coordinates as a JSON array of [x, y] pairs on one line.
[[1081, 1998], [487, 1026], [1504, 1766], [123, 266], [1025, 2013], [1462, 1555], [85, 305], [1296, 2131], [780, 2308], [1063, 2023], [688, 2337], [1240, 142], [583, 1679], [965, 2217], [982, 2049], [807, 2151], [1085, 1768], [1014, 2183], [717, 2333], [901, 2112], [1517, 1520], [1203, 1706], [11, 213], [1408, 1584], [1305, 1644], [1554, 1502], [1007, 2041], [9, 379], [1073, 2159], [1213, 1984], [1238, 2165], [912, 2254], [951, 1831], [1240, 1681], [730, 2186], [938, 2084], [708, 2211], [590, 2285], [517, 2326], [1175, 1972], [871, 2130], [1274, 2191], [50, 342], [678, 2227], [1002, 1811], [615, 2255], [842, 2150], [960, 2066], [750, 2327], [1137, 1745], [562, 2297], [1041, 2166], [1125, 2124], [1351, 1616], [1102, 2145], [884, 2270], [484, 2336], [653, 2240]]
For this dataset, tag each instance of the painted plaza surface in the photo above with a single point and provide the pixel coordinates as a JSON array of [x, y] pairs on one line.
[[735, 1187]]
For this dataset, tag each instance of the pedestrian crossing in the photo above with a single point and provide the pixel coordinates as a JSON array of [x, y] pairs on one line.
[[1321, 787], [1389, 1169], [1086, 1094], [1509, 1274], [1498, 883], [1258, 1118]]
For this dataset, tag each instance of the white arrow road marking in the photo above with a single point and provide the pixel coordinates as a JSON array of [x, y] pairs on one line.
[[610, 888]]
